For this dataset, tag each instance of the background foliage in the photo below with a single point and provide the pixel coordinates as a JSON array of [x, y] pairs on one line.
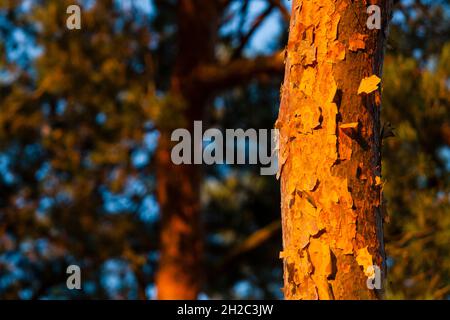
[[77, 134]]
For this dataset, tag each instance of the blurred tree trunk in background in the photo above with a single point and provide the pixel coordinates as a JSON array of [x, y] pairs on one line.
[[197, 77], [330, 162], [178, 188]]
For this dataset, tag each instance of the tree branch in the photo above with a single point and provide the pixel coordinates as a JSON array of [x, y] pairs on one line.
[[255, 240], [220, 77], [245, 38], [283, 10]]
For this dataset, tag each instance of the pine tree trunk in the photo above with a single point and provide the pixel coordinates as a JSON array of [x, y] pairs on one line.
[[178, 186], [179, 273], [330, 162]]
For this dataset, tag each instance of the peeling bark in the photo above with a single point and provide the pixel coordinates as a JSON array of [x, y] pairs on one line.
[[329, 158]]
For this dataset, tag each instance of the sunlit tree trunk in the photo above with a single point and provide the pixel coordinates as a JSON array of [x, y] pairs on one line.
[[179, 275], [329, 156], [178, 186]]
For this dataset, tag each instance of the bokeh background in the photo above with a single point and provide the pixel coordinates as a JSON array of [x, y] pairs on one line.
[[77, 138]]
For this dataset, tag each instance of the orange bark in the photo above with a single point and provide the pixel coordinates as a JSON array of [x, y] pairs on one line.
[[329, 154], [179, 274], [178, 187]]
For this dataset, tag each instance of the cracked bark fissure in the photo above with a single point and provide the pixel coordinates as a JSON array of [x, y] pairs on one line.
[[329, 157]]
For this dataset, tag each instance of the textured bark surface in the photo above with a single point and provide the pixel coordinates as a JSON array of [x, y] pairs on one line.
[[329, 157]]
